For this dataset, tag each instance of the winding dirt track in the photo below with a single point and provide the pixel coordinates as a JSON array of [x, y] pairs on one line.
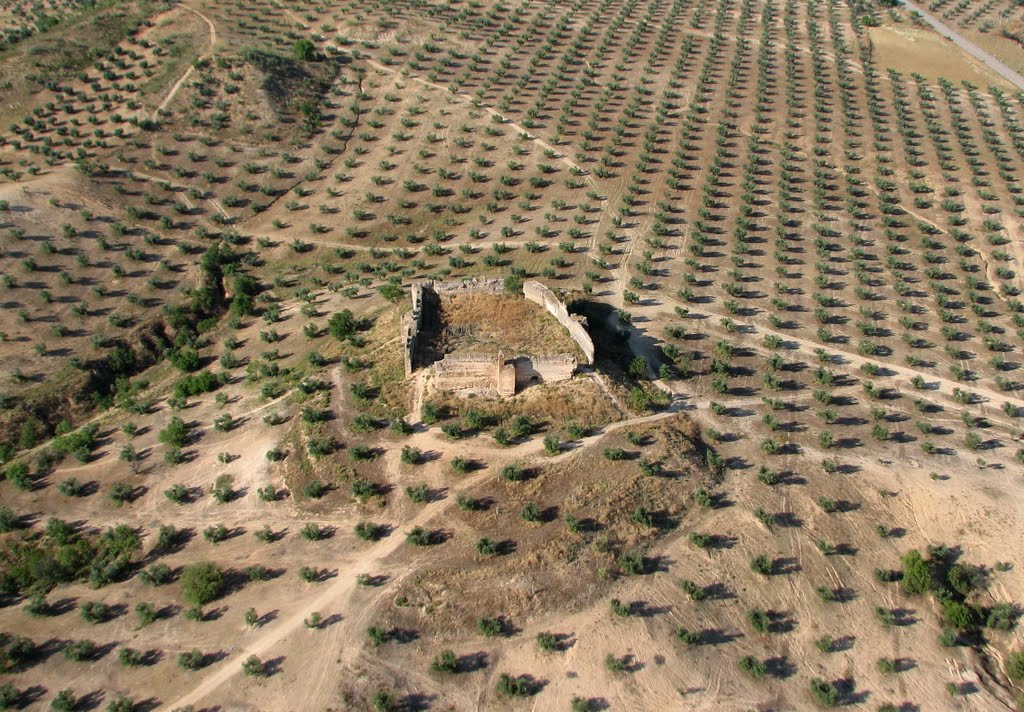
[[191, 68]]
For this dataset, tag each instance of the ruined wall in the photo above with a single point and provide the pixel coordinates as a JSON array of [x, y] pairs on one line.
[[475, 372], [412, 322], [530, 370], [424, 296], [577, 326], [506, 380], [466, 286], [486, 372]]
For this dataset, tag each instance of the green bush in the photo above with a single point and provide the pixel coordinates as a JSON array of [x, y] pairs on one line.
[[80, 650], [825, 693], [547, 642], [175, 434], [1015, 667], [917, 574], [490, 627], [752, 666], [191, 660], [759, 620], [197, 383], [509, 686], [445, 662], [201, 583], [94, 612]]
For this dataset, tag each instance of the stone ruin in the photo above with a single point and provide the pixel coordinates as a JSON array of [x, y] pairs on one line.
[[489, 372]]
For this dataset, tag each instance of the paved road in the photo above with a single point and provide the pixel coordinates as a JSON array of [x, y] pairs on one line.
[[960, 41]]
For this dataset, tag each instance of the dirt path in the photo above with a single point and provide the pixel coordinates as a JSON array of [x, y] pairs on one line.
[[191, 68], [965, 44], [337, 595]]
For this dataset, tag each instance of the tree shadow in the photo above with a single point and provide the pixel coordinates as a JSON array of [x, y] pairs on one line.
[[273, 666], [779, 667], [717, 636]]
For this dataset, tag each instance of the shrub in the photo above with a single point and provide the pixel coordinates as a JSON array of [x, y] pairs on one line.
[[80, 650], [215, 533], [547, 642], [191, 660], [64, 701], [312, 532], [958, 616], [121, 704], [377, 635], [94, 611], [130, 657], [418, 536], [917, 574], [411, 455], [632, 562], [693, 590], [642, 516], [1015, 667], [419, 494], [254, 667], [343, 324], [314, 489], [886, 666], [513, 473], [759, 620], [490, 627], [762, 564], [752, 666], [825, 693], [71, 487], [176, 433], [509, 686], [686, 636], [201, 583], [157, 575], [146, 614], [530, 512], [445, 662], [120, 493], [223, 488], [368, 531]]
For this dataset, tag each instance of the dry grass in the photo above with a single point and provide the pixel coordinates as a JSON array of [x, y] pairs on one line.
[[579, 401], [553, 569], [908, 49], [498, 322]]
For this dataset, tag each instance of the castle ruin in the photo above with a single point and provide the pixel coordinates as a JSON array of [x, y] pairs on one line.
[[488, 372]]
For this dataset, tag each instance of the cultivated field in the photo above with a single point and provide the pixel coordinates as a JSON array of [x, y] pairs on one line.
[[792, 478]]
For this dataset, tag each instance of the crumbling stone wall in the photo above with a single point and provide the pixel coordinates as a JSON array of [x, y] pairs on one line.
[[475, 372], [424, 305], [576, 325], [543, 369], [412, 322]]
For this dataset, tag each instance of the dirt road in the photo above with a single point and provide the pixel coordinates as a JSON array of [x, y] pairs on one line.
[[965, 44]]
